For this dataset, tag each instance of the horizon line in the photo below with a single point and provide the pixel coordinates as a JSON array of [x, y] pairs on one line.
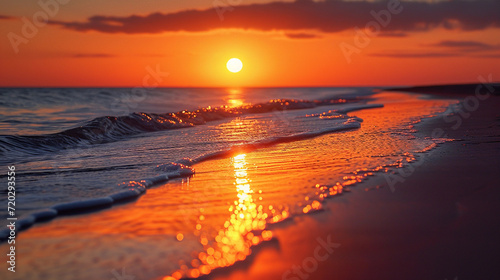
[[255, 87]]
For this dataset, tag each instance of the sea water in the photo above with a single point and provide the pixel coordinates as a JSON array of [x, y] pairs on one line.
[[205, 172]]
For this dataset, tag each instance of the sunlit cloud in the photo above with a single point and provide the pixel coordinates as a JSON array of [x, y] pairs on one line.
[[92, 55], [421, 54], [5, 17], [302, 35], [447, 48], [107, 55], [325, 16], [394, 34], [466, 45], [489, 55], [415, 54]]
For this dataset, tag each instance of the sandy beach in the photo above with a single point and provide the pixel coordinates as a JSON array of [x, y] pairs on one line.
[[437, 224]]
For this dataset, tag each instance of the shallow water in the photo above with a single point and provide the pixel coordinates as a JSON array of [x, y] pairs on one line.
[[190, 226], [94, 150]]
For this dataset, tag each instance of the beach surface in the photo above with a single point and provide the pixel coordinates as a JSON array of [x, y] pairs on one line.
[[411, 194], [437, 223]]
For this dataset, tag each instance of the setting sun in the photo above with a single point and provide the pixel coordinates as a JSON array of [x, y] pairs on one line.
[[234, 65]]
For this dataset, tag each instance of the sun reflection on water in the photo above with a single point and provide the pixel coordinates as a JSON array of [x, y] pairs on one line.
[[244, 228], [234, 97], [267, 199], [235, 102]]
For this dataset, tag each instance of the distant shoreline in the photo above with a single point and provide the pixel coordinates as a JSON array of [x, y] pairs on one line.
[[449, 90]]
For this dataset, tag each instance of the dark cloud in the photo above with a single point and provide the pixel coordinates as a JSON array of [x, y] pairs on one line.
[[466, 45], [399, 54], [93, 55], [5, 17], [106, 55], [325, 16], [393, 34], [414, 54], [489, 56], [302, 35]]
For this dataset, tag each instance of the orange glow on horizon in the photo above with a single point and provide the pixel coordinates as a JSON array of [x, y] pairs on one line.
[[197, 60]]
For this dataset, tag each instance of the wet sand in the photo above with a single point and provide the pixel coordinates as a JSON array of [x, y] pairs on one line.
[[439, 223]]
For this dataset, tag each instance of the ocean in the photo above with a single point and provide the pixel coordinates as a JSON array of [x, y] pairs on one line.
[[205, 170]]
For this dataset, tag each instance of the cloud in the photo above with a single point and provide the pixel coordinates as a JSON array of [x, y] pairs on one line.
[[325, 16], [489, 56], [414, 54], [398, 54], [302, 35], [106, 55], [5, 17], [92, 55], [466, 45], [393, 34]]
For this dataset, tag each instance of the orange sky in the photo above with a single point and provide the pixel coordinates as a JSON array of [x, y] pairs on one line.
[[60, 56]]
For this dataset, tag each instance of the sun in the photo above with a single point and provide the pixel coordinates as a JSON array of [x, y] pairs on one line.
[[234, 65]]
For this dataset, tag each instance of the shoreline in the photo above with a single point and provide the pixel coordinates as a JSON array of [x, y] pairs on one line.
[[454, 90], [372, 232], [438, 223]]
